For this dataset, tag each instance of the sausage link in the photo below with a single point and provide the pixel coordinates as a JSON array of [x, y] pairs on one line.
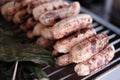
[[23, 27], [44, 42], [46, 33], [65, 45], [35, 3], [48, 7], [89, 47], [96, 62], [20, 16], [3, 2], [29, 24], [71, 24], [8, 10], [63, 60], [51, 17], [38, 29], [19, 4], [29, 35]]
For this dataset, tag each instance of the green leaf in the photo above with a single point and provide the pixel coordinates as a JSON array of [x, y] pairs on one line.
[[36, 71], [12, 50]]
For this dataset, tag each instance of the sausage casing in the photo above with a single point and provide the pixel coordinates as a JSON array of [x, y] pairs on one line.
[[48, 7], [3, 2], [96, 62], [64, 45], [44, 42], [51, 17], [46, 33], [20, 16], [35, 3], [38, 29], [63, 60], [19, 4], [71, 24], [8, 10], [89, 47]]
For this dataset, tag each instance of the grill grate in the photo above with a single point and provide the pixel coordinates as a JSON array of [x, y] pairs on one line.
[[67, 72]]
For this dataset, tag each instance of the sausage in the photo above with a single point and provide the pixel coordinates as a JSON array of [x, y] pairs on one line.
[[64, 45], [20, 16], [63, 60], [96, 62], [28, 24], [29, 35], [31, 22], [3, 2], [48, 7], [71, 24], [19, 4], [46, 33], [8, 10], [51, 17], [67, 26], [44, 42], [37, 29], [23, 27], [89, 47], [34, 4]]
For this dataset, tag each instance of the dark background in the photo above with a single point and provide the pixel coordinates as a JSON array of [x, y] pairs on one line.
[[107, 9]]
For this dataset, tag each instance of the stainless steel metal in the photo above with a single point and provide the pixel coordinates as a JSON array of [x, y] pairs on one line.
[[110, 74], [15, 70], [101, 21]]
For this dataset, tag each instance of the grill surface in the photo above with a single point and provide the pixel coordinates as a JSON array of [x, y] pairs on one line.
[[67, 73]]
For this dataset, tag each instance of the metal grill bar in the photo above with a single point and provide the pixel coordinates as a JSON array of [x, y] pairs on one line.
[[45, 67], [66, 76], [106, 31], [56, 71], [94, 24], [109, 74], [117, 50], [99, 28], [112, 36], [101, 21], [115, 42], [112, 62]]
